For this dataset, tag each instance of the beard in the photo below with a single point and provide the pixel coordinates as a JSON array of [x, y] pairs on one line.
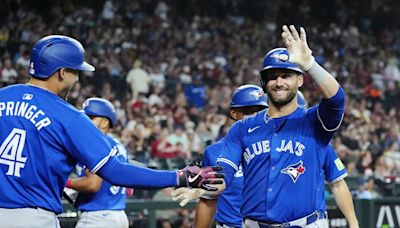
[[278, 101], [64, 93]]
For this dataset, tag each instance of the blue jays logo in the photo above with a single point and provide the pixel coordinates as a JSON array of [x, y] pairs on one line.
[[294, 171], [280, 57], [257, 94], [31, 68], [85, 104]]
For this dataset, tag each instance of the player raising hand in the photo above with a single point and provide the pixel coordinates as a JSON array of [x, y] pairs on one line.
[[281, 148]]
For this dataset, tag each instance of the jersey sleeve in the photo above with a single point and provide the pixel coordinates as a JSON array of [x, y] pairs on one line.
[[231, 152], [206, 161], [327, 116], [333, 166], [330, 111], [87, 144]]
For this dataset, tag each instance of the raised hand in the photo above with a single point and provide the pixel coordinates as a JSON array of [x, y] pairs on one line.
[[296, 44]]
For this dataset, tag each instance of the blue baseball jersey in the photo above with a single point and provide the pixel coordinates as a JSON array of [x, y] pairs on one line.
[[108, 197], [228, 206], [282, 160], [333, 170], [41, 139]]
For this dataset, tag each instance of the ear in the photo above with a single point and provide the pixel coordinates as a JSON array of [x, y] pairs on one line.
[[300, 80], [61, 74], [233, 114]]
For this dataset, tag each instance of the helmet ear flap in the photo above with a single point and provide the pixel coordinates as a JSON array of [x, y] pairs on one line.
[[262, 83]]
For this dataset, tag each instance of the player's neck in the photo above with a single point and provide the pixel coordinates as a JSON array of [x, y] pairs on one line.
[[279, 111], [43, 85]]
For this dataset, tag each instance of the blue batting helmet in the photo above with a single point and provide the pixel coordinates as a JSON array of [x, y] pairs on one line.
[[278, 58], [100, 107], [248, 95], [52, 53], [301, 100]]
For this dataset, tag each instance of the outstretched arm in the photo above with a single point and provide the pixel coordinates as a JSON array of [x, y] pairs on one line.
[[345, 202], [128, 175]]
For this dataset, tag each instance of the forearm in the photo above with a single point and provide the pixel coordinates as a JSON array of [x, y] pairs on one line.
[[345, 202], [85, 184], [324, 80], [205, 212], [128, 175]]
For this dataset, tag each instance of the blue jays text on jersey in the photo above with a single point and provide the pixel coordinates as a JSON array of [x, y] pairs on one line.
[[228, 206], [282, 160], [41, 138], [108, 197]]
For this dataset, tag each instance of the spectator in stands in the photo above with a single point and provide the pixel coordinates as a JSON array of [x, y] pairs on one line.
[[138, 79], [162, 148], [366, 189], [8, 73]]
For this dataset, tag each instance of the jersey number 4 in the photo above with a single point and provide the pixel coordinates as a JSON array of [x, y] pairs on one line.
[[11, 152]]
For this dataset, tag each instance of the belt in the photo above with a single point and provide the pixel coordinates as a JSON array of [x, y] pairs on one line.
[[222, 225], [298, 223]]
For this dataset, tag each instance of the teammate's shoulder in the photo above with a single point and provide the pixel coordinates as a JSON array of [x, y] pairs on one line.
[[114, 141], [112, 138], [254, 119], [215, 146], [212, 152]]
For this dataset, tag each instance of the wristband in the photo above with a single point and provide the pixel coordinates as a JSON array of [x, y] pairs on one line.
[[318, 73], [69, 183]]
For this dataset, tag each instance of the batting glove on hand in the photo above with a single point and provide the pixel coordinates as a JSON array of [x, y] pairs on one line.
[[299, 52], [197, 161], [196, 177], [185, 195]]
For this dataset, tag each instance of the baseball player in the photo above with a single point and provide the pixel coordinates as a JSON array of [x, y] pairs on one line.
[[101, 203], [333, 169], [280, 148], [42, 137], [246, 100]]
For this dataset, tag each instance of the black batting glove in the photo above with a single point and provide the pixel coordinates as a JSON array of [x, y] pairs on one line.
[[196, 177], [197, 161]]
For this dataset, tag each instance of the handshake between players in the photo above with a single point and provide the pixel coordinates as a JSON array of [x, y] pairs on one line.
[[207, 178]]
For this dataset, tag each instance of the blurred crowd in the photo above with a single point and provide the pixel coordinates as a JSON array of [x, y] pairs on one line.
[[170, 67]]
